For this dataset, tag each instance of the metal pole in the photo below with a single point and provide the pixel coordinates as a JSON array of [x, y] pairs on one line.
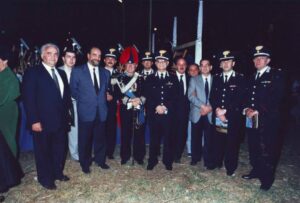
[[198, 45], [150, 25], [174, 43]]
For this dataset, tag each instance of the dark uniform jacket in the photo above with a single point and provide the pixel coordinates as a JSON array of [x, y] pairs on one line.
[[228, 96], [161, 92]]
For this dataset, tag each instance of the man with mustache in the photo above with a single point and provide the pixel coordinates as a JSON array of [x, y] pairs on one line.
[[89, 85], [110, 60]]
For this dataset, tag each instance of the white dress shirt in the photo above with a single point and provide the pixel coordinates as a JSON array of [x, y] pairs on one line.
[[262, 71], [164, 73], [68, 71], [229, 74], [91, 69], [208, 80], [183, 79], [60, 82]]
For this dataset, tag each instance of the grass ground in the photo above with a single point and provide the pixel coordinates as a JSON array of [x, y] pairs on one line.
[[132, 183]]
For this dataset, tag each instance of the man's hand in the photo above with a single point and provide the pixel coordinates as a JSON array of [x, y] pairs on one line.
[[250, 113], [160, 109], [220, 113], [205, 109], [37, 127], [109, 97], [136, 102]]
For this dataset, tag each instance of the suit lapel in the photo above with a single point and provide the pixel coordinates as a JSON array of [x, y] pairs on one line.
[[102, 78], [48, 77], [86, 71]]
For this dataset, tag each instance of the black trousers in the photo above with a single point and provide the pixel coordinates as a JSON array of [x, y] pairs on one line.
[[160, 127], [179, 131], [111, 128], [91, 135], [202, 129], [50, 154], [130, 131], [263, 155], [226, 148]]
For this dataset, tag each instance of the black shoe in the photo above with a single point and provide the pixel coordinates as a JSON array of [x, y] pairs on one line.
[[86, 170], [265, 187], [140, 162], [230, 173], [2, 198], [194, 163], [177, 161], [123, 162], [249, 176], [210, 167], [104, 166], [110, 157], [169, 167], [151, 166], [49, 187], [63, 178]]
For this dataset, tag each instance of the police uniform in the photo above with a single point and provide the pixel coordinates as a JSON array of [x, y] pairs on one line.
[[265, 94], [227, 95], [111, 122], [146, 56], [161, 89], [132, 118]]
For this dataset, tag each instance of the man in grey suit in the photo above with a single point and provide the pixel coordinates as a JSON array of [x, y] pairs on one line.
[[89, 85], [201, 114]]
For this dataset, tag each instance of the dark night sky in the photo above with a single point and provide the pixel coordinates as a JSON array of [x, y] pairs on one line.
[[233, 24]]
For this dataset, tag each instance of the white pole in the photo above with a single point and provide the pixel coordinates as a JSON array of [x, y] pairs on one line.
[[174, 43], [198, 45], [153, 42]]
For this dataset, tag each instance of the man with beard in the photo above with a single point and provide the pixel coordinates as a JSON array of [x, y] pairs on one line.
[[89, 85], [110, 60]]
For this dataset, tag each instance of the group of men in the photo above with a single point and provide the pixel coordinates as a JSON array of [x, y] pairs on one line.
[[84, 101]]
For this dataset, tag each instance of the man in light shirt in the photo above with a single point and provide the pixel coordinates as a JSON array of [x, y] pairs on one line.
[[69, 60], [201, 115]]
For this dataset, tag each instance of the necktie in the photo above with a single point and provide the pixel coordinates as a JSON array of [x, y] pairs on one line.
[[95, 82], [226, 78], [161, 76], [147, 73], [257, 75], [206, 90], [181, 85], [54, 77]]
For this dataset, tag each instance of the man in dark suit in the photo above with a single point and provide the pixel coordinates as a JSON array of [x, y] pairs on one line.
[[262, 103], [226, 99], [201, 115], [89, 84], [110, 60], [181, 117], [47, 103], [161, 94]]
